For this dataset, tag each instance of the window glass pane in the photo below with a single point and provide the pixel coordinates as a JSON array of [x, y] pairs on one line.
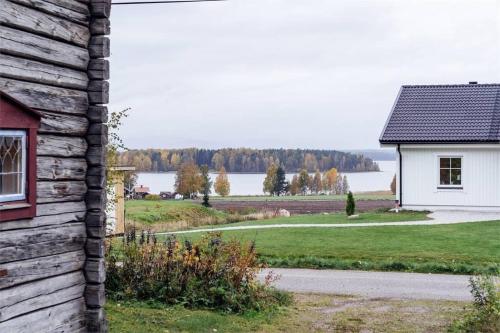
[[456, 177], [444, 177], [11, 164], [444, 162], [456, 163]]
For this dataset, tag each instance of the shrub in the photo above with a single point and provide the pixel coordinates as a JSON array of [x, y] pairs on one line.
[[484, 316], [211, 273], [350, 204], [152, 197]]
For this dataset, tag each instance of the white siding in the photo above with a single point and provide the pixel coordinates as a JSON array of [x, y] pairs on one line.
[[480, 178]]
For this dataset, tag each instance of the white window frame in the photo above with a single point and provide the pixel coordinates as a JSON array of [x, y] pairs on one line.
[[18, 196], [450, 186]]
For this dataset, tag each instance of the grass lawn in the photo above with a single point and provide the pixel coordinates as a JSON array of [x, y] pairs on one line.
[[338, 218], [458, 248], [382, 195], [311, 313]]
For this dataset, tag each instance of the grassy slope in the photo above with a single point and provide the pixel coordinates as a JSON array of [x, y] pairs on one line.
[[458, 248], [336, 218], [150, 212], [311, 313]]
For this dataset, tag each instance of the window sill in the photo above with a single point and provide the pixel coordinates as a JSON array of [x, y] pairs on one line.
[[14, 206], [450, 188]]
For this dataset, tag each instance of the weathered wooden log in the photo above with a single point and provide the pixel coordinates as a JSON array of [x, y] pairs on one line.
[[96, 177], [95, 199], [60, 191], [95, 295], [95, 270], [100, 140], [98, 69], [19, 300], [96, 156], [49, 145], [96, 320], [100, 26], [57, 168], [95, 219], [25, 244], [60, 208], [57, 123], [68, 9], [96, 232], [39, 72], [18, 272], [95, 247], [65, 317], [39, 96], [99, 47], [27, 19], [98, 114], [20, 43], [100, 8], [98, 92], [47, 220]]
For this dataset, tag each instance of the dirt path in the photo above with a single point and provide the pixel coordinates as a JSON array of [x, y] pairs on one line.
[[302, 206]]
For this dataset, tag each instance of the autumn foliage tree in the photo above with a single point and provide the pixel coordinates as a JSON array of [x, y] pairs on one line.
[[303, 181], [294, 185], [317, 184], [329, 180], [393, 185], [270, 180], [222, 186], [188, 180]]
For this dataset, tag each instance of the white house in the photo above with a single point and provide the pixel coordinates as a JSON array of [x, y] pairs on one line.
[[448, 143]]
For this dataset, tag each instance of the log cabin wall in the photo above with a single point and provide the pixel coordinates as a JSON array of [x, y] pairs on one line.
[[52, 58]]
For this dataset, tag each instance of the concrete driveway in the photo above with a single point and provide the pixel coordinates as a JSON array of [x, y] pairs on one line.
[[373, 284]]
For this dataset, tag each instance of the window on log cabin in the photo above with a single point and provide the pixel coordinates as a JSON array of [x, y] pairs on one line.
[[12, 165], [18, 140]]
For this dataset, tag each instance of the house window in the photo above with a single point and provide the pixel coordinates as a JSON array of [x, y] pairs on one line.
[[450, 172], [12, 165]]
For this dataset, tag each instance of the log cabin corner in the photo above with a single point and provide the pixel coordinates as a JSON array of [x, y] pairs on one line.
[[53, 80]]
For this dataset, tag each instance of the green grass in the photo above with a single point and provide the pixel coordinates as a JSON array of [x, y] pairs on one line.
[[338, 218], [167, 211], [310, 313], [140, 317], [459, 248], [357, 196]]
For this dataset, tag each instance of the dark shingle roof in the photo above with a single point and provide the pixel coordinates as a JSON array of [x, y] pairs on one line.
[[467, 113]]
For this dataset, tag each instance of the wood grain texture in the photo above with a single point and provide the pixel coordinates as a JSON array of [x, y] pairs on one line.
[[31, 46], [100, 26], [99, 47], [60, 208], [98, 69], [50, 145], [41, 221], [39, 72], [57, 123], [27, 19], [39, 96], [60, 191], [25, 244], [65, 317], [34, 269], [58, 168], [68, 9], [19, 300]]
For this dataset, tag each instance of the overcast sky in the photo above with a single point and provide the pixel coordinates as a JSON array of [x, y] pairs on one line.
[[288, 73]]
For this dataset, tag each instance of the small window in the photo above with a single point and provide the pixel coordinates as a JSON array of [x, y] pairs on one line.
[[12, 165], [450, 172]]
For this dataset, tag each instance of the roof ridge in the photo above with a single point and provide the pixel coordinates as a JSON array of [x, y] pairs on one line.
[[451, 85]]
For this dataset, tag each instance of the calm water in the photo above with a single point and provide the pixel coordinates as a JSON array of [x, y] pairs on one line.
[[251, 184]]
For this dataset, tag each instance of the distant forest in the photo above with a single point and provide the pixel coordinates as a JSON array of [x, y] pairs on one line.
[[246, 160]]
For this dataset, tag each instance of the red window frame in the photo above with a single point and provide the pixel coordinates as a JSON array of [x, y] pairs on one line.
[[14, 115]]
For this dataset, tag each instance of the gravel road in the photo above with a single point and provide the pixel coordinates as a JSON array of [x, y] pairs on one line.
[[374, 284]]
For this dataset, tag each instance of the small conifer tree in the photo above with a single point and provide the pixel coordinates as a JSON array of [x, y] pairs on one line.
[[350, 204]]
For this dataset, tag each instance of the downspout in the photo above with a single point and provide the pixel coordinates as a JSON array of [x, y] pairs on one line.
[[400, 176]]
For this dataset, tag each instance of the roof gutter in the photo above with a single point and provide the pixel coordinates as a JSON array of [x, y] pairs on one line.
[[400, 175]]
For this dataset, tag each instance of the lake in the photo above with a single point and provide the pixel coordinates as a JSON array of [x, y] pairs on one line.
[[251, 183]]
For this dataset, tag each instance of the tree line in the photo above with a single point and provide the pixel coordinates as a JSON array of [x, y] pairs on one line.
[[246, 159], [330, 182]]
